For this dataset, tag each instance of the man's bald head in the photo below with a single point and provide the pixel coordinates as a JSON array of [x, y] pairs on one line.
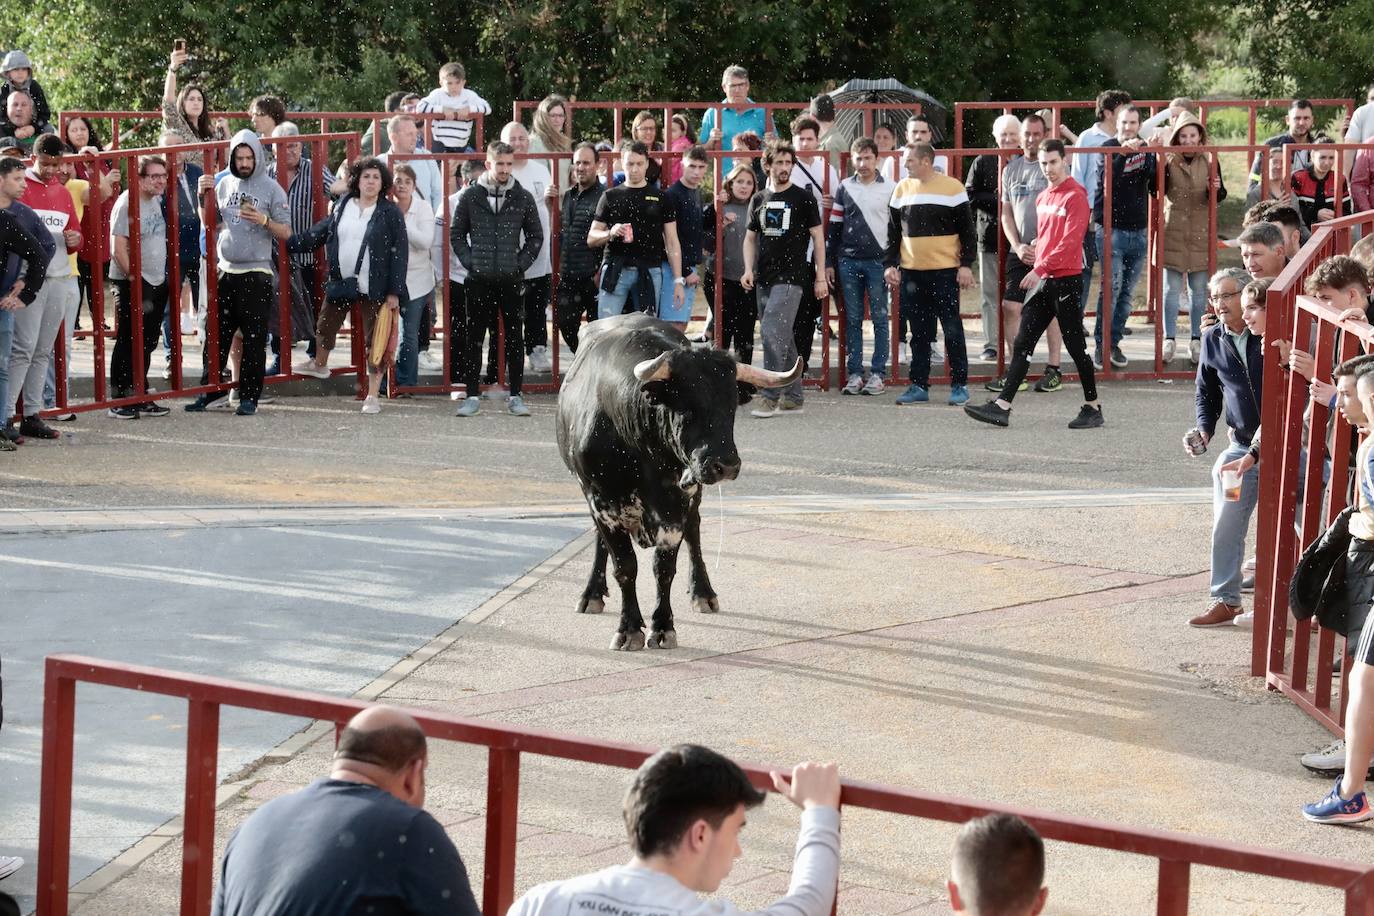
[[19, 109], [384, 737]]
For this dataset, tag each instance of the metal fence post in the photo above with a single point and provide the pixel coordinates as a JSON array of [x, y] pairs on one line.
[[503, 805]]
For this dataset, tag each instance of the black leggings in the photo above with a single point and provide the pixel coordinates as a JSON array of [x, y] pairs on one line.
[[739, 313], [1056, 298]]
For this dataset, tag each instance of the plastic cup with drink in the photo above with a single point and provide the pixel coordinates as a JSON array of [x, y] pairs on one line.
[[1230, 486]]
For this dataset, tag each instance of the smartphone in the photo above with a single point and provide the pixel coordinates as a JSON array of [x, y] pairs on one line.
[[179, 44]]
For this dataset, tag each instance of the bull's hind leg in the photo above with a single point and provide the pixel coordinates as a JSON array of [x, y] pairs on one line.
[[703, 595], [594, 595], [630, 635], [665, 569]]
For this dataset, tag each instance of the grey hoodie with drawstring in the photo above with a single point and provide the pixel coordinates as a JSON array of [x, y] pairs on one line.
[[244, 246]]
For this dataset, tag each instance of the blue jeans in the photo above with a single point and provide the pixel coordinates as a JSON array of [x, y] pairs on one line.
[[666, 310], [612, 302], [408, 353], [1230, 521], [6, 343], [928, 296], [1128, 261], [1197, 299], [855, 276]]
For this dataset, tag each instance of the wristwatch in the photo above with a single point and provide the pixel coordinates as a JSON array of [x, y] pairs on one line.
[[680, 281]]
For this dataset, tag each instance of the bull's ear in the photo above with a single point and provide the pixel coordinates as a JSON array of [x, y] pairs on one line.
[[746, 392], [656, 392]]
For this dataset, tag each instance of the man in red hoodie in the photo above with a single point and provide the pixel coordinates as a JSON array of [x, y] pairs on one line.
[[1053, 286], [36, 327]]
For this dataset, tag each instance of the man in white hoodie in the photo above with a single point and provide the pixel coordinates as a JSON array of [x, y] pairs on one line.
[[683, 814]]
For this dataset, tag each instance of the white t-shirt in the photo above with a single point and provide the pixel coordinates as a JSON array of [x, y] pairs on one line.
[[457, 273], [420, 233], [535, 178], [1361, 124], [624, 890], [352, 230]]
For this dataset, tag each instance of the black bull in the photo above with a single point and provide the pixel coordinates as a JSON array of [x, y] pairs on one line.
[[644, 421]]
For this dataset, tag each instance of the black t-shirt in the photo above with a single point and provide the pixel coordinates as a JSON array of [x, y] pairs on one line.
[[782, 222], [648, 210], [342, 847]]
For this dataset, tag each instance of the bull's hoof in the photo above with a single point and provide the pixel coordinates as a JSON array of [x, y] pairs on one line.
[[628, 642], [663, 639], [706, 605], [591, 606]]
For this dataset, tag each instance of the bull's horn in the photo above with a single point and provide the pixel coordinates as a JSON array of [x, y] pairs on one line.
[[765, 378], [653, 370]]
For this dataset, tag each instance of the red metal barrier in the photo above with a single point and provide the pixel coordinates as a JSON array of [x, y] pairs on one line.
[[205, 696], [1205, 107], [1290, 663], [143, 119], [127, 160]]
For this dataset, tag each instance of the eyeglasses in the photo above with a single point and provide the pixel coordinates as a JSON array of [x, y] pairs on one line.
[[154, 176], [1216, 300]]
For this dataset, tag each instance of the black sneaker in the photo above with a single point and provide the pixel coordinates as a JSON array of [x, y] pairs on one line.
[[122, 413], [1052, 380], [6, 445], [153, 409], [989, 413], [32, 426], [1119, 359], [11, 434], [202, 402], [247, 408], [1088, 418], [996, 384]]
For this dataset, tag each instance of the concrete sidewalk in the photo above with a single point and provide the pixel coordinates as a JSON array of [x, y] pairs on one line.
[[1031, 656]]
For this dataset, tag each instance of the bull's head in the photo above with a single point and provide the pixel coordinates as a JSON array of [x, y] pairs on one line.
[[702, 388]]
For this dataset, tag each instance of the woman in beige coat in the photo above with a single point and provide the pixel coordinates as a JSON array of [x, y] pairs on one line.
[[1188, 235]]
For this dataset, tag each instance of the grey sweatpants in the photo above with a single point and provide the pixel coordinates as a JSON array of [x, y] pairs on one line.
[[777, 313], [35, 330], [991, 296]]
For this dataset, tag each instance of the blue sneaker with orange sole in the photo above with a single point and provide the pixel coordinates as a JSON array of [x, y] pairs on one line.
[[1336, 810]]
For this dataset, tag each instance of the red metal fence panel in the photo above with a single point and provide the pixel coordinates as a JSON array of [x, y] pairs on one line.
[[1176, 852]]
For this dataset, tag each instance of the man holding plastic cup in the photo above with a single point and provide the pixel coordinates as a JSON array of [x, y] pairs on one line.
[[1230, 377]]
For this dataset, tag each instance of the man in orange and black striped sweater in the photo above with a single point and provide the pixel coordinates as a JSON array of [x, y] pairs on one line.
[[930, 237]]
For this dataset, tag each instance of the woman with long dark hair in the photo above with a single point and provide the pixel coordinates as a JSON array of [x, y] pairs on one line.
[[366, 245], [187, 113], [79, 138]]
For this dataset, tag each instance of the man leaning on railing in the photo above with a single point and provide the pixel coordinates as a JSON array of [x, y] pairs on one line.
[[684, 813]]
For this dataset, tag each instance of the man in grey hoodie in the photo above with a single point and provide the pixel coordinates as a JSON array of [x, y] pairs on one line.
[[253, 212]]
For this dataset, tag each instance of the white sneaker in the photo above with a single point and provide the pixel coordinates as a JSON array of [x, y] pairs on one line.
[[874, 385], [188, 325], [1328, 761], [495, 393], [370, 405], [1169, 347], [309, 367], [233, 398], [9, 865], [1245, 620], [936, 356], [854, 385], [431, 363], [766, 410], [1194, 350], [540, 360]]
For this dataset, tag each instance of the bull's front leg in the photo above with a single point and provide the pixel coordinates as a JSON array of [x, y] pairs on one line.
[[630, 635], [593, 596], [703, 595], [665, 569]]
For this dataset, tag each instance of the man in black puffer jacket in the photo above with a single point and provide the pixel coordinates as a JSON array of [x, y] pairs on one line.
[[496, 235]]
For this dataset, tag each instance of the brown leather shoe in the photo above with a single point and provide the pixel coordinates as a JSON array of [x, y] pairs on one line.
[[1220, 614]]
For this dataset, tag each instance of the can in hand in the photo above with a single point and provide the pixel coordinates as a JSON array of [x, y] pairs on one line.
[[1195, 443], [627, 235]]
